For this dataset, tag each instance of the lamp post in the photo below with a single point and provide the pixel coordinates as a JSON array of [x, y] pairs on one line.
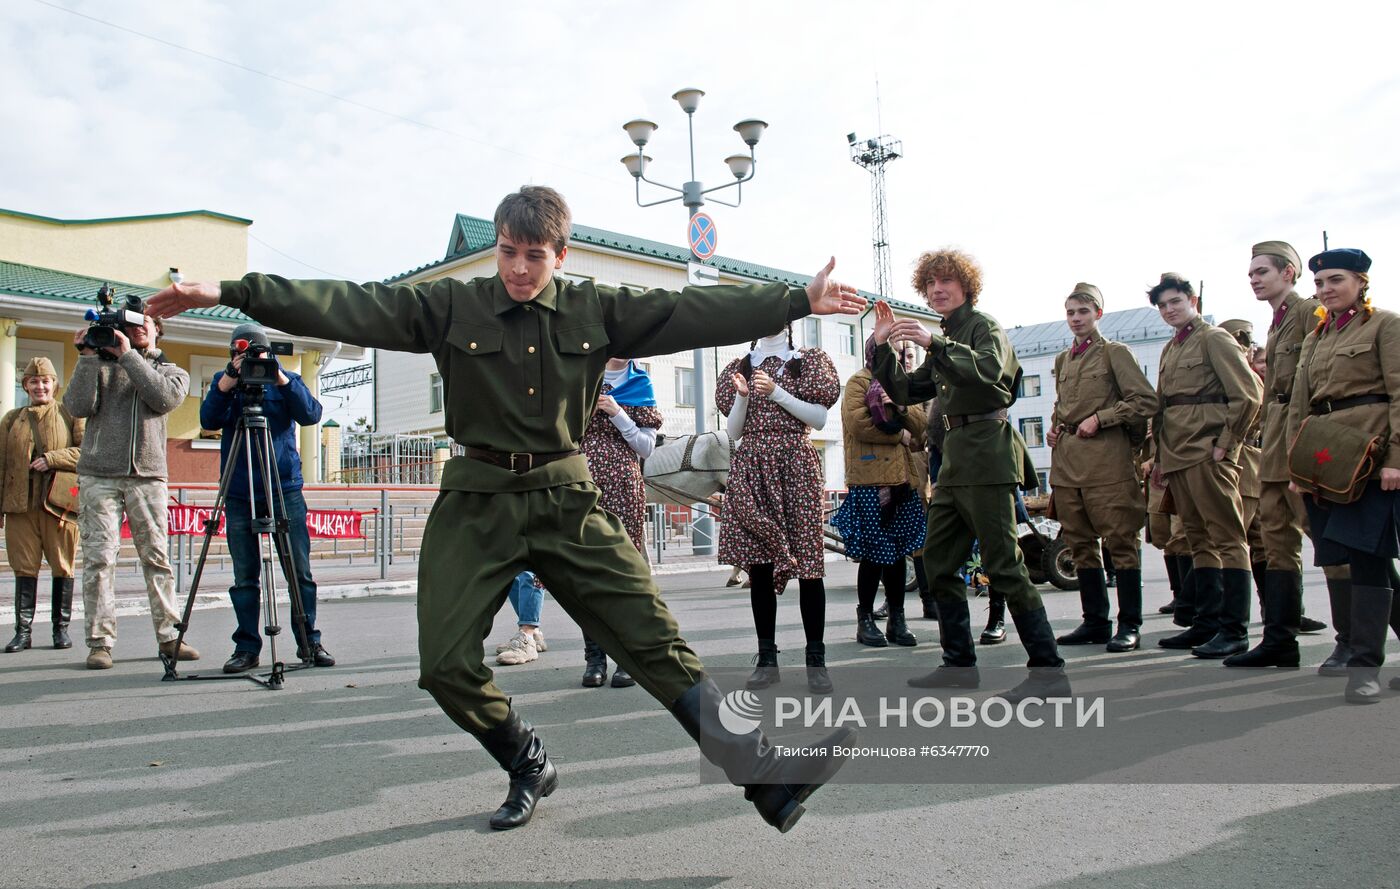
[[692, 195]]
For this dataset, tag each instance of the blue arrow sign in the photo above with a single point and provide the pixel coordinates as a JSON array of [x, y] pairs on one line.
[[703, 236]]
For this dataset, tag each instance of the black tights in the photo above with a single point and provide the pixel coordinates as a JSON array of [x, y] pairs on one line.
[[811, 593], [1370, 570], [868, 577]]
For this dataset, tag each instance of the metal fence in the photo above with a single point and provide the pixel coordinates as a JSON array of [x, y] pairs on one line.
[[385, 458]]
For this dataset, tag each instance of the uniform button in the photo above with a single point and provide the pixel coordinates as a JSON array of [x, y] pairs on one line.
[[471, 345], [585, 345], [531, 350], [529, 308], [530, 391]]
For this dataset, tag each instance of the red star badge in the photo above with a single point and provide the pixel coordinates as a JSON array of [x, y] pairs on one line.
[[1322, 456]]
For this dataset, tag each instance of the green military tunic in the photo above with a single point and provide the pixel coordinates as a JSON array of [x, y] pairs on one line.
[[1095, 480], [972, 370], [524, 378]]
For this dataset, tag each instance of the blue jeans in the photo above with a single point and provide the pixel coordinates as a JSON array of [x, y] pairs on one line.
[[527, 599], [244, 549]]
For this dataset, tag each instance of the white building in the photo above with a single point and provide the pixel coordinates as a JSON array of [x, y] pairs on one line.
[[408, 393], [1141, 330]]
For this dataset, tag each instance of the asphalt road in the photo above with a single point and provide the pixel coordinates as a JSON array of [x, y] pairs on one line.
[[351, 776]]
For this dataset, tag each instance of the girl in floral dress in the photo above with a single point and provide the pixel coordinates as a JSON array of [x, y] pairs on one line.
[[620, 434], [773, 506]]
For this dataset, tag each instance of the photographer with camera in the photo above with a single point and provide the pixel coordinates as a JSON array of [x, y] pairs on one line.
[[124, 387], [253, 376]]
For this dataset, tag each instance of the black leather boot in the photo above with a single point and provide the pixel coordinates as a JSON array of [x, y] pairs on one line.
[[776, 785], [62, 611], [959, 668], [866, 631], [930, 605], [1128, 636], [621, 678], [1047, 669], [995, 631], [1093, 598], [897, 631], [1173, 582], [1185, 613], [1232, 633], [1205, 586], [514, 745], [595, 664], [883, 611], [1256, 570], [1370, 621], [1339, 595], [817, 678], [765, 672], [1283, 605], [26, 593]]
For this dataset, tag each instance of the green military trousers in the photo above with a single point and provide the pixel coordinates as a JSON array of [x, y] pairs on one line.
[[473, 547], [985, 513]]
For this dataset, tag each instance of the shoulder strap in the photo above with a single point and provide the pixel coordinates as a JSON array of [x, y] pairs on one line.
[[38, 439]]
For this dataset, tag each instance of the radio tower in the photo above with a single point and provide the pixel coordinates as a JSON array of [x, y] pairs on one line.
[[873, 154]]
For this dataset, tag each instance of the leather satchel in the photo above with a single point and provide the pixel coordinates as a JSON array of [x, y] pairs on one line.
[[1332, 460]]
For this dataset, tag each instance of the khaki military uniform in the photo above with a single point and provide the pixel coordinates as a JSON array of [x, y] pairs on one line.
[[1281, 510], [522, 379], [1209, 398], [33, 533], [1095, 480]]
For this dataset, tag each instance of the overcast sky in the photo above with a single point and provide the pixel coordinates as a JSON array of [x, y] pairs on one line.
[[1058, 142]]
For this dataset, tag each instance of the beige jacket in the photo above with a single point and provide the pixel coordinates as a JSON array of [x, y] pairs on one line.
[[1208, 362], [1284, 349], [1103, 381], [61, 437], [874, 457]]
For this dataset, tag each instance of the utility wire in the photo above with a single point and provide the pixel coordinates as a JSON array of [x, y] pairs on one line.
[[253, 237]]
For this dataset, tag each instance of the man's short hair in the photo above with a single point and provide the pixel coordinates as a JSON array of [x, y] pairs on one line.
[[949, 263], [1170, 281], [1282, 265], [536, 214]]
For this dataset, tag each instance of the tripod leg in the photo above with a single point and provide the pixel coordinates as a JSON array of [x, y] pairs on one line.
[[301, 621]]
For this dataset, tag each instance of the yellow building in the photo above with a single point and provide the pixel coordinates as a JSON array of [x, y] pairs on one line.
[[50, 272]]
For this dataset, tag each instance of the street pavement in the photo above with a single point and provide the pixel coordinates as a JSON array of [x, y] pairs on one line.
[[351, 776]]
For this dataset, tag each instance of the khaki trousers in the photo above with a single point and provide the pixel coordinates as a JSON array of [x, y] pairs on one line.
[[1113, 513], [36, 535], [101, 502], [1282, 521], [1207, 496]]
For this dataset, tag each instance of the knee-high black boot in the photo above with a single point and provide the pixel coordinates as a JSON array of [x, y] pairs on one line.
[[1047, 669], [62, 611], [26, 592], [1093, 599], [1339, 596], [1232, 624], [1283, 606], [959, 668], [1205, 587], [776, 785], [1185, 613], [514, 745], [1370, 619], [1173, 582], [1128, 636]]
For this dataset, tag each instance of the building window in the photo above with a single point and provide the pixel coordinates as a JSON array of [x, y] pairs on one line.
[[685, 387], [812, 332], [1030, 386], [435, 393], [1042, 477], [1033, 431], [848, 338]]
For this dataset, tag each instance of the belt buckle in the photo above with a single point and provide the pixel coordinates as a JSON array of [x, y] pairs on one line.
[[947, 426], [529, 463], [1326, 406]]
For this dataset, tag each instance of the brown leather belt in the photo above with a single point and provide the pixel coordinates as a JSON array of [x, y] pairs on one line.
[[1327, 407], [1179, 400], [516, 462], [953, 422]]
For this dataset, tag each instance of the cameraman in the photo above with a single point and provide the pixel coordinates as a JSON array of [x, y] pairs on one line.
[[285, 405], [125, 398]]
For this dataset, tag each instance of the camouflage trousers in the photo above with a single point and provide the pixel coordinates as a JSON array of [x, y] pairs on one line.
[[101, 503]]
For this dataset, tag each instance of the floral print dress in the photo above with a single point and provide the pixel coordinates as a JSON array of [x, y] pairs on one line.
[[773, 501], [617, 470]]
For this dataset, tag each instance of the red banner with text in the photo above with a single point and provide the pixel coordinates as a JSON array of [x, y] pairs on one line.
[[340, 524]]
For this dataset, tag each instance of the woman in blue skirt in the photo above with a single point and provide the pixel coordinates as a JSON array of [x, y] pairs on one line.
[[882, 519]]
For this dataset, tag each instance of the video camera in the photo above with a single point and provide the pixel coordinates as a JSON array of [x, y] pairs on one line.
[[107, 320], [259, 368]]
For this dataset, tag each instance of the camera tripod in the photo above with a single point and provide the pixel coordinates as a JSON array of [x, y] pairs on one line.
[[252, 442]]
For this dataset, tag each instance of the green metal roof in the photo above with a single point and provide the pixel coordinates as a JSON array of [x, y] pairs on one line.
[[144, 218], [472, 234], [81, 290]]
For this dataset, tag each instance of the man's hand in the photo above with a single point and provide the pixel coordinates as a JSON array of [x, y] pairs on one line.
[[1052, 437], [230, 378], [884, 322], [1147, 467], [825, 296], [178, 298], [608, 405], [763, 384], [1089, 427], [1390, 479], [741, 385], [121, 347], [40, 465], [909, 329], [1217, 454], [1159, 481], [78, 338], [905, 438], [282, 379]]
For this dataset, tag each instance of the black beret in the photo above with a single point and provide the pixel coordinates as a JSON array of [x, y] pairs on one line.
[[1346, 258]]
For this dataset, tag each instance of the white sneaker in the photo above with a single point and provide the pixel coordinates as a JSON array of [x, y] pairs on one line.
[[539, 642], [521, 650]]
